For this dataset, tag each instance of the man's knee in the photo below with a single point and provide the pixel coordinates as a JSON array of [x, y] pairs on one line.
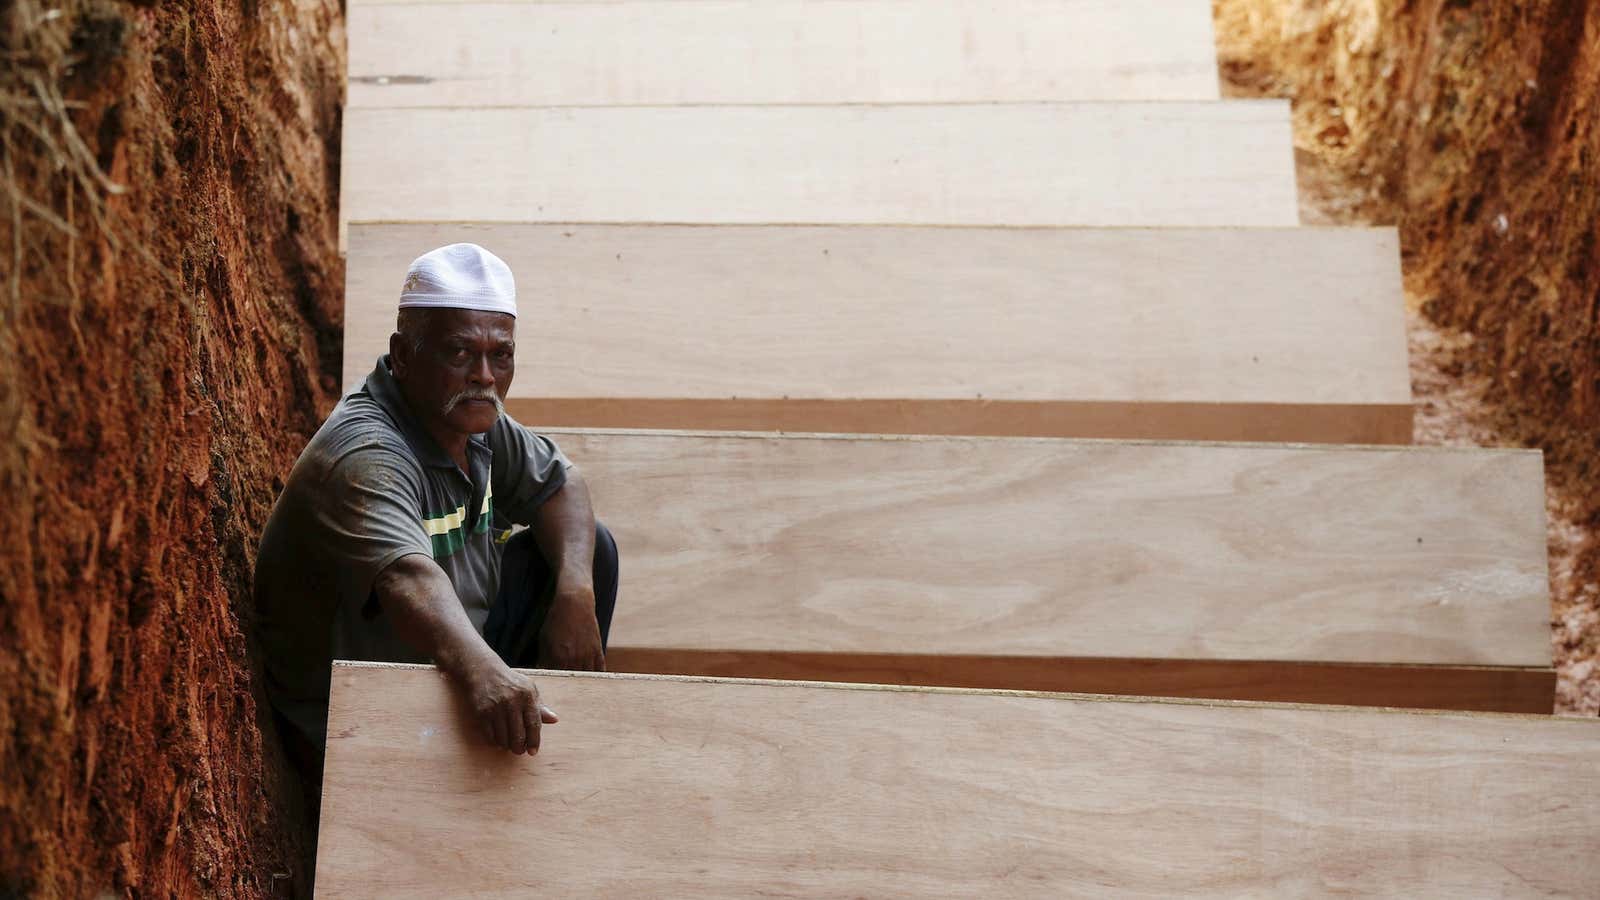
[[605, 550], [605, 579]]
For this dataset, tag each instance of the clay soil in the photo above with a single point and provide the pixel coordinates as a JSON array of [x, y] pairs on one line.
[[169, 296], [1474, 127]]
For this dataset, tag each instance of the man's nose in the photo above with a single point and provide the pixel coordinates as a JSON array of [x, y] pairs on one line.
[[481, 373]]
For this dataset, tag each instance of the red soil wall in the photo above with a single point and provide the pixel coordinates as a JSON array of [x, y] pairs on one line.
[[169, 321]]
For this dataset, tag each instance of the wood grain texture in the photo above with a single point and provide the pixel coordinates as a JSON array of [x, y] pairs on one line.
[[663, 52], [1222, 334], [1056, 549], [996, 164], [1505, 689], [665, 788]]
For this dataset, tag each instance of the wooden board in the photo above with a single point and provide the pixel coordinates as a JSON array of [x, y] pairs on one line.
[[1227, 334], [993, 164], [654, 52], [895, 554], [659, 788]]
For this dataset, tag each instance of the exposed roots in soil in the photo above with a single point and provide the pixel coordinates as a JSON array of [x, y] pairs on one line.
[[169, 312], [37, 132]]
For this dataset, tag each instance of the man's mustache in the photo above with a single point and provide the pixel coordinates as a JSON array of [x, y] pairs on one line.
[[475, 394]]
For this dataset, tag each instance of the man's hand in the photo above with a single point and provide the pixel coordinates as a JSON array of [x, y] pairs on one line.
[[506, 704], [570, 638], [421, 602]]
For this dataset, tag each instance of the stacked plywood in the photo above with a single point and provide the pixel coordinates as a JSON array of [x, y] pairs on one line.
[[988, 221], [856, 237], [859, 116]]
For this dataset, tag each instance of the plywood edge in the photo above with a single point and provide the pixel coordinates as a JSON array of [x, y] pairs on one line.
[[1130, 699], [1379, 422], [1503, 689], [379, 223], [1240, 102], [863, 437]]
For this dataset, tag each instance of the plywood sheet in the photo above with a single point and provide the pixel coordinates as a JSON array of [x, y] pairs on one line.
[[1004, 164], [1224, 334], [655, 788], [1049, 549], [652, 52]]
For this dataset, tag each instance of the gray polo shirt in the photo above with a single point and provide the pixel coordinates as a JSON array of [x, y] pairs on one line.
[[371, 487]]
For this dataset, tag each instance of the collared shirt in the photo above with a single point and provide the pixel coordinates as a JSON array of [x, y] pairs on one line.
[[371, 487]]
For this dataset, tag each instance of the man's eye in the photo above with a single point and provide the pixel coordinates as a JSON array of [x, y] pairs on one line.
[[502, 355]]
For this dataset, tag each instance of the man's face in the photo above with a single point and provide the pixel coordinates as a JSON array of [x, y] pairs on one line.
[[463, 367]]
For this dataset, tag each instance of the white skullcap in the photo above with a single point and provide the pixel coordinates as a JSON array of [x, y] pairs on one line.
[[460, 276]]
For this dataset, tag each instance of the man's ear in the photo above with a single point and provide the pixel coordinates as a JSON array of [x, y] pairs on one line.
[[399, 355]]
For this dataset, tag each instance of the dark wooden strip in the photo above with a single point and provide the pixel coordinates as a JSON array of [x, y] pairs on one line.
[[1470, 688]]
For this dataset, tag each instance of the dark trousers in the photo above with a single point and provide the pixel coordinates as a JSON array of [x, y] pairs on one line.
[[527, 587]]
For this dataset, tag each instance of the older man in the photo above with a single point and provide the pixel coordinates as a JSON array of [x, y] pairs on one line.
[[392, 538]]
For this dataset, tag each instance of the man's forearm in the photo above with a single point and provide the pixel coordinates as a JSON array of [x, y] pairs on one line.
[[422, 606], [564, 530], [425, 612]]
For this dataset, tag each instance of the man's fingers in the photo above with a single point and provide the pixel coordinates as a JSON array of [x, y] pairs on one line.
[[532, 710], [516, 729], [588, 660], [547, 715], [497, 728]]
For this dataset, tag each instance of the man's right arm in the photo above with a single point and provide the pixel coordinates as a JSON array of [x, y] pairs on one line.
[[422, 605]]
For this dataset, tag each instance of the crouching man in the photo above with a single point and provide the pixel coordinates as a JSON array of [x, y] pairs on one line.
[[392, 539]]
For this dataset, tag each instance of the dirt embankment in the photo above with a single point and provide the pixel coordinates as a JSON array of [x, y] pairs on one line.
[[1476, 128], [169, 304]]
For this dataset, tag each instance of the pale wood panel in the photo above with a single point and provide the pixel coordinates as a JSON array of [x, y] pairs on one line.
[[1287, 334], [997, 164], [780, 51], [657, 788], [1056, 549]]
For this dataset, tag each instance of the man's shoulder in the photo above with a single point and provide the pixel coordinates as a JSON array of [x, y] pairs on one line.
[[359, 431]]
